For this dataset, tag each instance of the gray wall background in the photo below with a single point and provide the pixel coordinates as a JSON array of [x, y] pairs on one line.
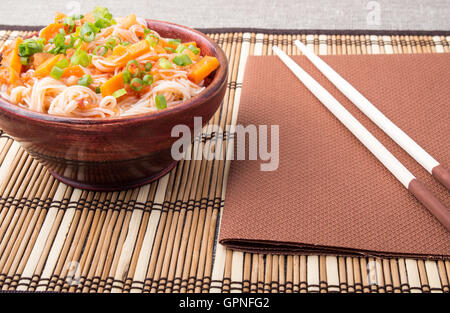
[[278, 14]]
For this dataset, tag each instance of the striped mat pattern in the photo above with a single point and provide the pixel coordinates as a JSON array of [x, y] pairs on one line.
[[162, 237]]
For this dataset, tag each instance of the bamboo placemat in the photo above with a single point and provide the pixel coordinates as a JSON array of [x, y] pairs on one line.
[[162, 237]]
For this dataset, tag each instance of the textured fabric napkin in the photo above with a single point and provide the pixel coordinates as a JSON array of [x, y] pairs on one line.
[[330, 194]]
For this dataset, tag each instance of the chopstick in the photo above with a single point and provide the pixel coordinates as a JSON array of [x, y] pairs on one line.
[[406, 178], [438, 171]]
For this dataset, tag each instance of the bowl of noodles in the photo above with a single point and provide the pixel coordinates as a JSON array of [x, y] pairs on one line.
[[95, 97]]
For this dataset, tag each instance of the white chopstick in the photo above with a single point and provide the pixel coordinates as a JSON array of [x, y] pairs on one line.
[[392, 130], [369, 141]]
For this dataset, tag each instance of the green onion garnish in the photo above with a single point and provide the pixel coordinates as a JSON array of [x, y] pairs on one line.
[[133, 64], [161, 102], [136, 84], [148, 66], [56, 72], [152, 39], [88, 32], [174, 41], [113, 41], [80, 57], [69, 21], [180, 48], [24, 60], [182, 60], [126, 76], [194, 49], [102, 17], [125, 43], [169, 49], [119, 93], [97, 90], [85, 81], [164, 63], [31, 46], [148, 79], [103, 52], [62, 64]]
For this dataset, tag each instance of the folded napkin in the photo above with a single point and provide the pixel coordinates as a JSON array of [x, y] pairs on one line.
[[330, 195]]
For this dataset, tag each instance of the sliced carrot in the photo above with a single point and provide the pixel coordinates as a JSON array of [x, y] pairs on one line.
[[39, 58], [74, 70], [187, 44], [14, 59], [129, 21], [59, 17], [119, 50], [45, 68], [200, 70], [134, 51], [112, 84], [8, 75], [50, 31]]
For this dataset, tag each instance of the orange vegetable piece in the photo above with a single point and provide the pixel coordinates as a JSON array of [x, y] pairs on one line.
[[74, 70], [200, 70], [45, 68], [59, 17], [119, 50], [134, 51], [8, 75], [112, 84], [14, 58], [129, 21], [50, 31], [40, 57], [187, 44]]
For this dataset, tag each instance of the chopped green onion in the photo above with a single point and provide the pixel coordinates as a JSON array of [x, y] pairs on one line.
[[169, 49], [152, 39], [180, 48], [148, 66], [125, 43], [146, 31], [69, 21], [60, 44], [31, 46], [113, 41], [194, 49], [136, 84], [148, 79], [126, 74], [130, 64], [174, 41], [101, 12], [103, 52], [62, 64], [56, 72], [86, 80], [119, 93], [24, 60], [97, 90], [80, 57], [164, 63], [182, 60], [88, 32], [161, 102], [76, 17]]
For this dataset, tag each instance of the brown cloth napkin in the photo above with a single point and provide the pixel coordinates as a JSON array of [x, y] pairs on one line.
[[330, 195]]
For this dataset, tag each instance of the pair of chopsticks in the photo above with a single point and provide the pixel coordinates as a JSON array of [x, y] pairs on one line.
[[408, 180]]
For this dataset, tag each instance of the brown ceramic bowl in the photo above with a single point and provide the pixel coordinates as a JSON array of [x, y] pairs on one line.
[[116, 153]]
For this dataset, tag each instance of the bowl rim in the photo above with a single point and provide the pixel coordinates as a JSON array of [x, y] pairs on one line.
[[214, 87]]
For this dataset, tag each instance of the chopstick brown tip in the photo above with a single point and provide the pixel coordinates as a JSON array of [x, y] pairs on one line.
[[442, 175], [435, 207]]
